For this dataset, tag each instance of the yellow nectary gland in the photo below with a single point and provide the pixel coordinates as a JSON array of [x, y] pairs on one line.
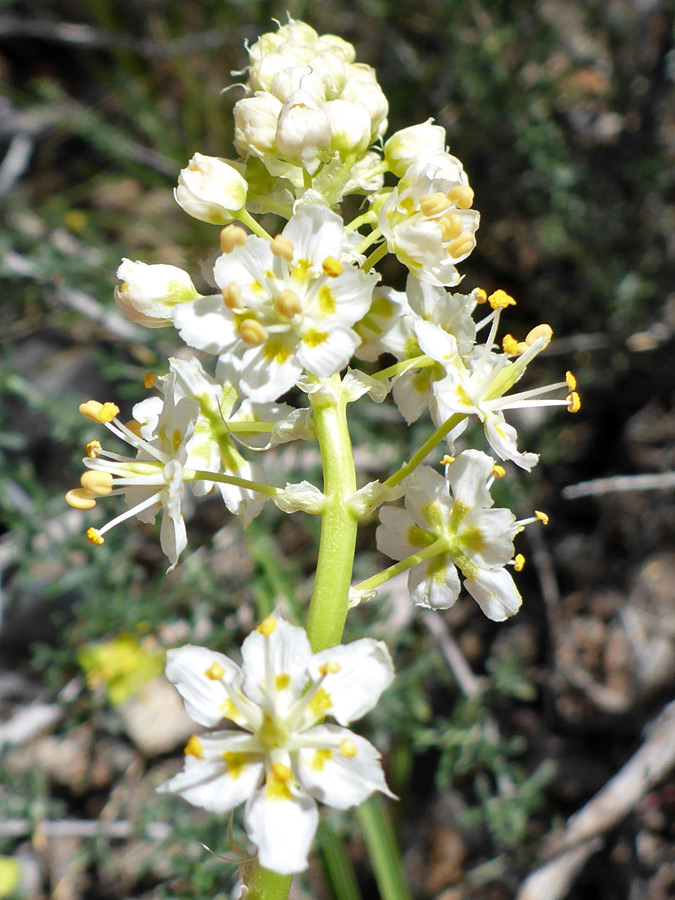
[[273, 733], [283, 247], [232, 236], [432, 205], [461, 196], [232, 296], [252, 332], [288, 304]]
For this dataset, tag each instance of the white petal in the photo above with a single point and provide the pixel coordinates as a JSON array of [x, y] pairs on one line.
[[493, 531], [316, 233], [412, 393], [365, 671], [186, 667], [264, 379], [428, 500], [468, 475], [206, 324], [285, 652], [331, 353], [502, 438], [495, 592], [392, 535], [337, 779], [434, 584], [282, 829]]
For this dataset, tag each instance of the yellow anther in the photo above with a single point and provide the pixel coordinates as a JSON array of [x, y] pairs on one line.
[[78, 498], [510, 345], [330, 668], [332, 267], [99, 412], [451, 227], [571, 381], [232, 236], [268, 626], [150, 380], [134, 427], [460, 246], [500, 300], [432, 205], [498, 471], [347, 748], [541, 331], [95, 537], [480, 295], [252, 332], [519, 562], [543, 518], [447, 460], [573, 402], [93, 449], [194, 747], [98, 483], [280, 772], [461, 196], [232, 296], [215, 672], [288, 304], [283, 247]]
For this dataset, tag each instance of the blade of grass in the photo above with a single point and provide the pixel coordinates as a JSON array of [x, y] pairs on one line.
[[385, 857], [337, 865]]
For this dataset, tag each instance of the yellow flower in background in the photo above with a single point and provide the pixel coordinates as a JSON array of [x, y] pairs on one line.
[[10, 874], [121, 666]]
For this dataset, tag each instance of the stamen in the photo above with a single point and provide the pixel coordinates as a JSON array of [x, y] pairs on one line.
[[288, 304], [480, 295], [232, 296], [460, 246], [194, 747], [134, 427], [95, 537], [498, 471], [543, 518], [93, 449], [461, 196], [574, 402], [232, 236], [282, 246], [500, 299], [332, 267], [252, 332], [330, 668], [98, 483], [432, 205], [215, 672], [571, 381], [79, 498], [541, 331], [451, 227], [510, 345], [447, 460], [347, 748], [268, 626], [519, 562], [99, 412], [150, 380]]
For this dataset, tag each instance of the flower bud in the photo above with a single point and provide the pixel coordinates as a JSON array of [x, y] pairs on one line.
[[303, 130], [408, 144], [210, 189], [149, 293], [350, 127], [255, 124]]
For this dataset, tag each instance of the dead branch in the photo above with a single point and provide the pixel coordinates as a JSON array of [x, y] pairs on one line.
[[660, 481]]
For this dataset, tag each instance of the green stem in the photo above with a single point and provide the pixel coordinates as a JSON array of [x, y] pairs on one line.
[[200, 475], [367, 218], [438, 546], [383, 851], [329, 604], [375, 257], [266, 885], [245, 217], [417, 362], [424, 450]]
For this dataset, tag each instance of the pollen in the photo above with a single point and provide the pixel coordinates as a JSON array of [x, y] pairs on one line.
[[268, 626], [320, 759], [99, 412], [78, 498], [330, 668], [194, 747], [541, 331], [282, 246], [433, 205], [252, 332], [460, 246], [347, 748], [232, 296], [235, 762], [93, 449], [500, 299], [573, 402], [332, 267], [97, 483], [321, 702], [510, 345], [232, 236], [215, 672], [571, 381], [451, 227], [519, 562], [288, 304], [95, 537], [280, 772], [542, 516], [150, 380], [461, 196], [447, 460], [498, 471]]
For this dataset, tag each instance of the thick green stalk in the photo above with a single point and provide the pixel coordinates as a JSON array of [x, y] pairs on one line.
[[329, 604], [266, 885]]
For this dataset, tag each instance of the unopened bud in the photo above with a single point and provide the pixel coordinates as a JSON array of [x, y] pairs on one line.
[[211, 189]]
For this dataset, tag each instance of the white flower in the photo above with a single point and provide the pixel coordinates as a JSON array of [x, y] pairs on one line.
[[303, 131], [255, 124], [211, 189], [406, 146], [289, 305], [467, 533], [427, 220], [275, 753], [148, 294]]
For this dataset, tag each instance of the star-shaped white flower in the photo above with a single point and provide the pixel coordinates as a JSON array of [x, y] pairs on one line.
[[455, 514], [276, 754], [287, 305]]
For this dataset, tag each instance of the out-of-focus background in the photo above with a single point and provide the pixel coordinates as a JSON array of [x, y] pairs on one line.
[[563, 114]]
